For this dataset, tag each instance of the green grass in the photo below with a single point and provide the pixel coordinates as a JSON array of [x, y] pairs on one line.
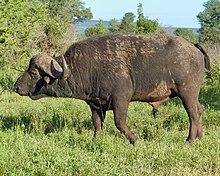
[[54, 137]]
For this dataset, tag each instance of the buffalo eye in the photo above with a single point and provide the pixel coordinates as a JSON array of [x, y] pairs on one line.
[[34, 73]]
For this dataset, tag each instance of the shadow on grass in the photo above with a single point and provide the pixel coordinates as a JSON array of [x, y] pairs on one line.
[[55, 124], [10, 122]]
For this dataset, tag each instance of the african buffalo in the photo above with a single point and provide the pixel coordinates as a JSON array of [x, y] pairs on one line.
[[110, 71]]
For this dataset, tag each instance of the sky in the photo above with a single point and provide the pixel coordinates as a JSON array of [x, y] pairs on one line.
[[174, 13]]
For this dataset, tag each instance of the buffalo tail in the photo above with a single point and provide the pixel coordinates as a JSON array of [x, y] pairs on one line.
[[206, 57]]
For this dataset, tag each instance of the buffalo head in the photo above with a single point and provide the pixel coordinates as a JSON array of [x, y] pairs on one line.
[[36, 82]]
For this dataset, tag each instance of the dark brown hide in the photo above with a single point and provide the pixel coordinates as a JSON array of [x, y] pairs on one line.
[[110, 71]]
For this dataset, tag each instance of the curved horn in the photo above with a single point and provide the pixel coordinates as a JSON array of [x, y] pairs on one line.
[[65, 68], [60, 74]]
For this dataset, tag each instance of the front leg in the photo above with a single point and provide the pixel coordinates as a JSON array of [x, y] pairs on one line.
[[98, 116], [120, 109]]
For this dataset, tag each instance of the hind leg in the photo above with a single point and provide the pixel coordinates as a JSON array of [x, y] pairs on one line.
[[200, 110], [194, 111]]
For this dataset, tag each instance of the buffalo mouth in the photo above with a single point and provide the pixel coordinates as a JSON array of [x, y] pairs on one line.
[[37, 97]]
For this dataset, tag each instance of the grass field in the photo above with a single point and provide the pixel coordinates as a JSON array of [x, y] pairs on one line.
[[54, 137]]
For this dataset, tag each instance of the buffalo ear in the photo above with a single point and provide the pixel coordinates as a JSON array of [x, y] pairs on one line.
[[48, 65], [51, 67]]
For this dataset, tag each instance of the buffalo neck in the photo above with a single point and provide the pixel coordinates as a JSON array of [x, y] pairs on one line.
[[79, 83]]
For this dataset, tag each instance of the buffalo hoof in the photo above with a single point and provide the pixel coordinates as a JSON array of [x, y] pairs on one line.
[[189, 141], [96, 135], [133, 139]]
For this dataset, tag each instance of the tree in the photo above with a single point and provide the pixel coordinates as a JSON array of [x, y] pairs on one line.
[[18, 22], [30, 27], [99, 28], [62, 15], [144, 25], [210, 22], [72, 10], [127, 23], [187, 34], [114, 25]]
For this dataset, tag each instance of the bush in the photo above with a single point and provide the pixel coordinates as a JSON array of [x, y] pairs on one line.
[[6, 79], [99, 28], [147, 26], [188, 34], [114, 25], [144, 25], [127, 23], [215, 69], [18, 21]]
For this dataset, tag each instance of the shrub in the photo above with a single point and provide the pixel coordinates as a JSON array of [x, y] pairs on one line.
[[144, 25], [215, 69], [99, 28], [127, 24], [188, 34], [18, 21]]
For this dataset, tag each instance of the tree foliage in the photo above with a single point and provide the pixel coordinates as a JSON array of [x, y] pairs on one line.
[[69, 9], [18, 21], [127, 24], [29, 27], [144, 25], [210, 22], [187, 34], [99, 28], [114, 25], [62, 14]]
